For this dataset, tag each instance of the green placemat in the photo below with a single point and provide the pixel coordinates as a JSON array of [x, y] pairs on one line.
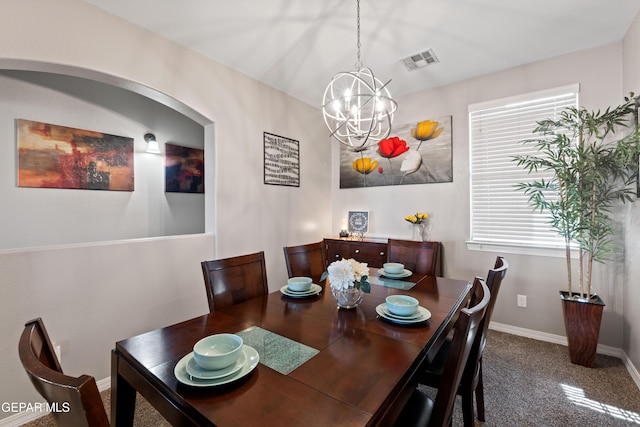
[[391, 283], [277, 352]]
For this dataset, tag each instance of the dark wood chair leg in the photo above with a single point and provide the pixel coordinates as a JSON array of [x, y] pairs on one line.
[[467, 408], [480, 393]]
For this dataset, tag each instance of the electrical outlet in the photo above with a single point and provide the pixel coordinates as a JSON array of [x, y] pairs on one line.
[[522, 301]]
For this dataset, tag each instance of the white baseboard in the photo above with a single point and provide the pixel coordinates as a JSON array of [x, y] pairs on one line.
[[635, 375], [559, 339], [21, 418], [104, 384], [528, 333]]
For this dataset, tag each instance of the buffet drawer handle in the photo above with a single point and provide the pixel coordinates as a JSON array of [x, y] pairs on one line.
[[357, 251]]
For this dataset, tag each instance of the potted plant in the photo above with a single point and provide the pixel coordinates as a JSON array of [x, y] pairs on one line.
[[591, 172]]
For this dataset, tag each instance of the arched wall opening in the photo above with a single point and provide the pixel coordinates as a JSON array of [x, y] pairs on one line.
[[86, 99]]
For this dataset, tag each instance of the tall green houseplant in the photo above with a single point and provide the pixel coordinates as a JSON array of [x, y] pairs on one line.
[[591, 171]]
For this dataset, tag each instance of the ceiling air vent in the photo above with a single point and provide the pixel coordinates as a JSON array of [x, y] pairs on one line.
[[419, 60]]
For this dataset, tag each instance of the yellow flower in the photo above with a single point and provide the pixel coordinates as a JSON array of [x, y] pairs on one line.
[[426, 130], [418, 218], [365, 165]]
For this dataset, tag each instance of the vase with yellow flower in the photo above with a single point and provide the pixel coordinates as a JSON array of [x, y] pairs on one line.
[[419, 225]]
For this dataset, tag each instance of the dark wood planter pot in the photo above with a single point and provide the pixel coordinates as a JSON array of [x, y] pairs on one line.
[[582, 320]]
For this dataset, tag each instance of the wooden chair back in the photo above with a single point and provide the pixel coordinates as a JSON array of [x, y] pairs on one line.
[[75, 401], [494, 281], [234, 280], [463, 338], [471, 381], [419, 257], [306, 260], [420, 410]]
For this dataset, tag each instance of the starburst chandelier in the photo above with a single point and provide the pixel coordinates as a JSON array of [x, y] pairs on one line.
[[357, 107]]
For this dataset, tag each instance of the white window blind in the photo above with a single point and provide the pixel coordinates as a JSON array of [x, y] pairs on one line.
[[499, 213]]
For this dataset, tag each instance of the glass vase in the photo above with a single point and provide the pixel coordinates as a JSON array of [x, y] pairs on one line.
[[418, 232], [347, 298]]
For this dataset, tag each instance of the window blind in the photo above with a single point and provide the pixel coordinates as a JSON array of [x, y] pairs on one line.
[[499, 213]]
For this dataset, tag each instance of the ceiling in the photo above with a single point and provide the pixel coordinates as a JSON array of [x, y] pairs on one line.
[[297, 46]]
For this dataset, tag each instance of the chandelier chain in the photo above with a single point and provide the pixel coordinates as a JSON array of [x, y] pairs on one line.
[[358, 62]]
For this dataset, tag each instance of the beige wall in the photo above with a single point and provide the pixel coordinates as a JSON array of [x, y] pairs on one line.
[[92, 295], [75, 34], [631, 326], [538, 277], [143, 285]]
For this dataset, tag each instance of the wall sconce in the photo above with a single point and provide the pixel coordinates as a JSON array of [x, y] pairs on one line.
[[153, 144]]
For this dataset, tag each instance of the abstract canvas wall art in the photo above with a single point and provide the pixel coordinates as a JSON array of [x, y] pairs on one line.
[[415, 153], [184, 169], [53, 156]]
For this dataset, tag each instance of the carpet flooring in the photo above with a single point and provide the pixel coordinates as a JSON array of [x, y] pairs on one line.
[[527, 383], [533, 383]]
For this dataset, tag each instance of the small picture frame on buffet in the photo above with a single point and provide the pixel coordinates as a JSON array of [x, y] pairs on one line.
[[358, 222]]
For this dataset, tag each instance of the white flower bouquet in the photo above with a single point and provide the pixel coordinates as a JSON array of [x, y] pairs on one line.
[[348, 273]]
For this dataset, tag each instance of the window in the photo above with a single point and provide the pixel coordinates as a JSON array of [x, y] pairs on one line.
[[500, 215]]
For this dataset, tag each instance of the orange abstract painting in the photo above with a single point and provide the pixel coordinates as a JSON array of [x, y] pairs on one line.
[[52, 156]]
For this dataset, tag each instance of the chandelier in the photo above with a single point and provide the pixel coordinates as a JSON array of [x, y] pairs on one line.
[[357, 107]]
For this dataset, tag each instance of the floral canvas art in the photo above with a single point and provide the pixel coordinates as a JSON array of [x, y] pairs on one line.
[[52, 156], [414, 153]]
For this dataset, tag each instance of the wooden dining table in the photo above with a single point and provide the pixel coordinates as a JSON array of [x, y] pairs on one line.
[[347, 367]]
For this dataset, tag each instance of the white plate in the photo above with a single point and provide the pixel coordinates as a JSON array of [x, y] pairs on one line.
[[402, 275], [251, 361], [311, 290], [315, 290], [208, 374], [425, 315], [413, 316]]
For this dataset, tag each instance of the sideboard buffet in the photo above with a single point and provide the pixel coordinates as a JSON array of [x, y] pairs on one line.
[[373, 251]]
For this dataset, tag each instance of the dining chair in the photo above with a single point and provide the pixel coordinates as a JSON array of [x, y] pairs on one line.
[[419, 257], [421, 410], [471, 381], [76, 400], [306, 260], [234, 280]]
